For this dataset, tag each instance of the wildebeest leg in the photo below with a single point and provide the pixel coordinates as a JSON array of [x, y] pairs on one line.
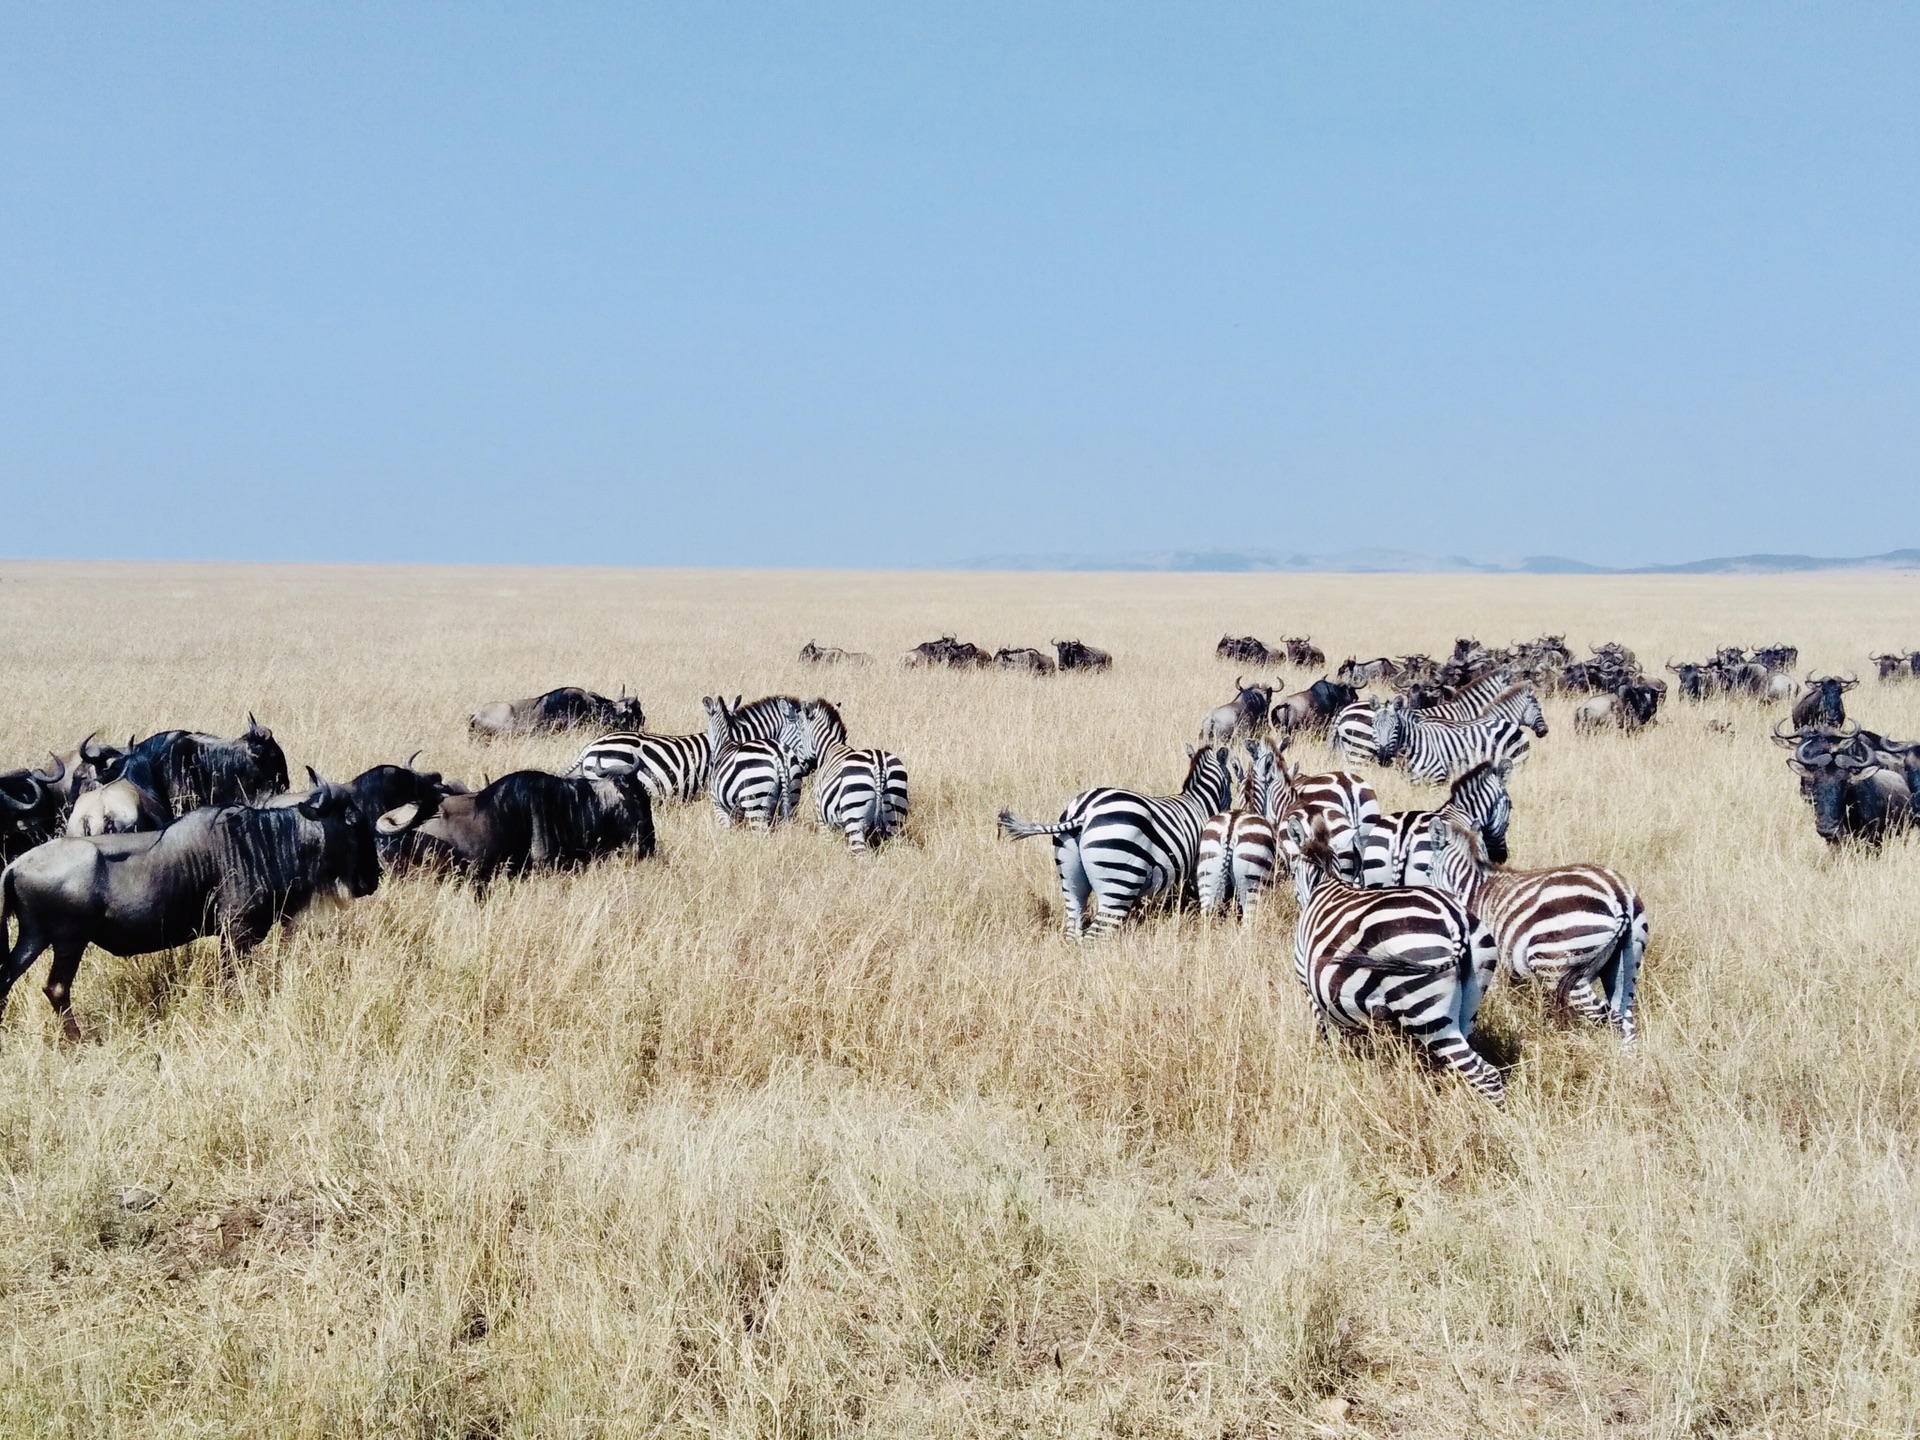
[[20, 959], [66, 964]]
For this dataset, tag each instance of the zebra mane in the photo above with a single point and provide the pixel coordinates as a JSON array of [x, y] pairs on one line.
[[831, 711], [1470, 777], [1507, 694]]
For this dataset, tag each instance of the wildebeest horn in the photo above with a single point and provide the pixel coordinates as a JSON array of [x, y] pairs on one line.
[[1850, 681], [414, 757], [13, 804], [1780, 738], [59, 772], [89, 751]]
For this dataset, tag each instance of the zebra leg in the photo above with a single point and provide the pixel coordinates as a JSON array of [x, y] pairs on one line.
[[1074, 885], [1451, 1049], [1621, 975], [1584, 999], [722, 813], [856, 829]]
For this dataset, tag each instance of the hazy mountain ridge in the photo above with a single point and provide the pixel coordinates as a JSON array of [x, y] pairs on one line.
[[1384, 561]]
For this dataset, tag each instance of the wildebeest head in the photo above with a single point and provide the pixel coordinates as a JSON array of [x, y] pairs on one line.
[[348, 855], [1890, 666], [1330, 697], [32, 807], [1693, 678], [1640, 700], [1821, 704]]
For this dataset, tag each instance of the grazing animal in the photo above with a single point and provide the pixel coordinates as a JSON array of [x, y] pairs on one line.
[[1401, 848], [1855, 794], [1023, 658], [1696, 681], [671, 767], [1236, 854], [1631, 707], [1119, 849], [32, 808], [1245, 714], [861, 793], [1356, 733], [1436, 751], [526, 820], [1340, 802], [1245, 650], [1365, 672], [1898, 667], [1076, 655], [568, 708], [231, 870], [1470, 703], [180, 770], [1303, 654], [1821, 704], [1579, 929], [751, 779], [812, 654], [955, 654], [1311, 711], [1414, 959]]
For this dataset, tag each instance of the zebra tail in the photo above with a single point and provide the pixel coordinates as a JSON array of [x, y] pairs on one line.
[[1014, 828], [1607, 967]]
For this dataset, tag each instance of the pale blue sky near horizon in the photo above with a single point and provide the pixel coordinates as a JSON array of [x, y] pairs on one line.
[[864, 285]]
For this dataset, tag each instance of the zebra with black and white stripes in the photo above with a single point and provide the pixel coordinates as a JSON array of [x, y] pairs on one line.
[[1338, 799], [1401, 848], [861, 793], [1471, 703], [670, 767], [750, 779], [1237, 849], [1435, 751], [1411, 958], [1119, 849], [1356, 732], [1579, 929]]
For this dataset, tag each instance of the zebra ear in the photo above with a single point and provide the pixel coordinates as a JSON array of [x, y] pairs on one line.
[[1190, 752]]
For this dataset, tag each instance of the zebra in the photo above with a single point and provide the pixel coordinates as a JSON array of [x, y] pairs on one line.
[[752, 779], [1435, 751], [1400, 849], [861, 792], [1339, 799], [1236, 852], [1579, 928], [671, 767], [1356, 734], [1471, 703], [1416, 959], [1121, 848]]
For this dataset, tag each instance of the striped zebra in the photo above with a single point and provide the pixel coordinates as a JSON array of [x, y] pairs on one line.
[[1356, 736], [751, 779], [1580, 929], [1414, 959], [1401, 848], [1435, 751], [862, 793], [1471, 703], [1340, 800], [671, 767], [1236, 852], [1120, 849]]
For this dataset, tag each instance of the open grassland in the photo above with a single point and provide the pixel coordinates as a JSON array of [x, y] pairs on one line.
[[758, 1138]]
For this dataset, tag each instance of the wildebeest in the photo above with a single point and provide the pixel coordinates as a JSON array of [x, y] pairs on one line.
[[1303, 654], [1855, 795], [1821, 704], [1364, 672], [1777, 657], [382, 789], [1898, 667], [32, 808], [1023, 658], [1696, 681], [1076, 655], [525, 821], [1245, 714], [1631, 707], [231, 870], [955, 654], [1245, 650], [1312, 710], [174, 771], [812, 654], [567, 708], [114, 807]]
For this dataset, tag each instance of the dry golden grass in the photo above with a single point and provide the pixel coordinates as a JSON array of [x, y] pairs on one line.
[[760, 1139]]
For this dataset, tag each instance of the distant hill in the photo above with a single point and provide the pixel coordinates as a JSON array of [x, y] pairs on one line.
[[1407, 562]]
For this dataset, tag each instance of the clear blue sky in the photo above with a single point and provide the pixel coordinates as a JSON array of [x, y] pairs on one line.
[[905, 284]]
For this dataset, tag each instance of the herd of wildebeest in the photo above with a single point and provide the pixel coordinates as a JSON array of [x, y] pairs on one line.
[[1404, 918]]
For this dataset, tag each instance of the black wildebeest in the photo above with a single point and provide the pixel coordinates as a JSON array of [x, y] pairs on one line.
[[1025, 658], [1631, 707], [567, 708], [954, 654], [526, 821], [1822, 705], [1245, 714], [232, 870], [382, 789], [1312, 710], [1303, 654], [1077, 655], [172, 772], [1245, 650], [33, 807], [812, 654], [1855, 794]]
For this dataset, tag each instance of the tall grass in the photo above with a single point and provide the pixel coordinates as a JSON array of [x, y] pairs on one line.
[[757, 1138]]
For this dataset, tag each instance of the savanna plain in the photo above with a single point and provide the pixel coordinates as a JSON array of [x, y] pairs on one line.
[[761, 1138]]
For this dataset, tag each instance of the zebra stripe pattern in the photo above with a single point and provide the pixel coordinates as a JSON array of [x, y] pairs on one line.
[[1119, 849], [1237, 849], [1471, 703], [1356, 737], [750, 780], [862, 793], [1580, 929], [1435, 751], [670, 767], [1413, 959], [1339, 800], [1401, 848]]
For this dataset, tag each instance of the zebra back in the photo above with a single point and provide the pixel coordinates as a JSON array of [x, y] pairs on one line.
[[670, 767], [1471, 703]]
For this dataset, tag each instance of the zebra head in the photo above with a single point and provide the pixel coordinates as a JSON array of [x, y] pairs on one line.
[[1209, 777], [1270, 787], [1479, 799], [1390, 722], [1463, 861], [1530, 714], [719, 719], [1309, 855], [823, 719]]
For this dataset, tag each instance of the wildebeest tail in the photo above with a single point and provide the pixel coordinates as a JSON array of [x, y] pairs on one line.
[[1014, 828]]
